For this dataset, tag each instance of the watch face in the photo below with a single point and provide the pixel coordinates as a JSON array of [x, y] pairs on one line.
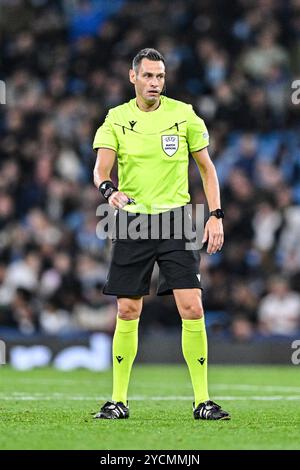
[[108, 192], [104, 187]]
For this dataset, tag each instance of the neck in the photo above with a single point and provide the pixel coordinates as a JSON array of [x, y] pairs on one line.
[[144, 106]]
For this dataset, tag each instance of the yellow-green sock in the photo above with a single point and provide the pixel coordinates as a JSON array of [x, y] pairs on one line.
[[194, 347], [125, 344]]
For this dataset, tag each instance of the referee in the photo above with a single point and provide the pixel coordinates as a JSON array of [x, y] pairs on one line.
[[152, 136]]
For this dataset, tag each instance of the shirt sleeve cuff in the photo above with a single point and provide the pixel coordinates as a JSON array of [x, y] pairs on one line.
[[103, 146]]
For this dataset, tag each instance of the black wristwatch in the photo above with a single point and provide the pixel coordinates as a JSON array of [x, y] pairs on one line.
[[217, 213], [109, 192], [106, 188]]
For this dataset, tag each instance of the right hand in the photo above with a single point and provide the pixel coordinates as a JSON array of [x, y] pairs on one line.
[[118, 199]]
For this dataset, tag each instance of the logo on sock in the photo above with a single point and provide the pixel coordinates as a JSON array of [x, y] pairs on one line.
[[201, 360], [119, 359]]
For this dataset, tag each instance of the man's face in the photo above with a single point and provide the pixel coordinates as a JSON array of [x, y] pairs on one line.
[[149, 80]]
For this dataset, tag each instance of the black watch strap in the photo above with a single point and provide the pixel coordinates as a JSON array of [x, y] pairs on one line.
[[219, 213], [106, 188]]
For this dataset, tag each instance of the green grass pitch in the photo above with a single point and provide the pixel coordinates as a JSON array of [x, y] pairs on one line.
[[49, 409]]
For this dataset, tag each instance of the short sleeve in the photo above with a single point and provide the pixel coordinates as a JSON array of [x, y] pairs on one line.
[[197, 134], [106, 136]]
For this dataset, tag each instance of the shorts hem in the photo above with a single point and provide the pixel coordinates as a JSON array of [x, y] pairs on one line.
[[127, 294]]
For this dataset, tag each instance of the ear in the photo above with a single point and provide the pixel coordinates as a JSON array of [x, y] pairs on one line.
[[132, 76]]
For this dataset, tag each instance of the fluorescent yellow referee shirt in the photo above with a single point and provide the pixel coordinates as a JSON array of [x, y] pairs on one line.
[[153, 152]]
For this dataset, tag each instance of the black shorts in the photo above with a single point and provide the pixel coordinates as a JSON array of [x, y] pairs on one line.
[[133, 261]]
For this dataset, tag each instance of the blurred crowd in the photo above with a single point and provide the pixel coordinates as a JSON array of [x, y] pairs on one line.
[[65, 63]]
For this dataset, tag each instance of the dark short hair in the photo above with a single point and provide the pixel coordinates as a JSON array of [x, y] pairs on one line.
[[148, 53]]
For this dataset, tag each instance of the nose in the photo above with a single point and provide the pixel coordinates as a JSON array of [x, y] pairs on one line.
[[154, 82]]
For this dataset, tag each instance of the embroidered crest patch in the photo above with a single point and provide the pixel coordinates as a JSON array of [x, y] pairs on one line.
[[170, 144]]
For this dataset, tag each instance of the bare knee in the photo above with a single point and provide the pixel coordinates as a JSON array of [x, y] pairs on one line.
[[191, 311], [189, 303], [129, 308]]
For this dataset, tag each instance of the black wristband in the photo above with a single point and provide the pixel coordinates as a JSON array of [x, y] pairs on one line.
[[219, 213], [106, 188]]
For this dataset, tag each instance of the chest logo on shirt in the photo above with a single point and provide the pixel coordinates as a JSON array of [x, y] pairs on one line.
[[170, 144], [132, 124]]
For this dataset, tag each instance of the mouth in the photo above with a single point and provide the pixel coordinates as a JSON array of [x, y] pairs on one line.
[[153, 92]]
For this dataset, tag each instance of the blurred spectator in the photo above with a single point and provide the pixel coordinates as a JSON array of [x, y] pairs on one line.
[[23, 312], [265, 54], [279, 310], [242, 329], [266, 223], [23, 273], [288, 246], [53, 320]]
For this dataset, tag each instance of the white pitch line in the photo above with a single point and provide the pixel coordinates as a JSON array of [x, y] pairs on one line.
[[142, 398], [213, 386]]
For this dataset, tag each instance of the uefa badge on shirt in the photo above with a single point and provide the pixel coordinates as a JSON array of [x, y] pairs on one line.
[[170, 144]]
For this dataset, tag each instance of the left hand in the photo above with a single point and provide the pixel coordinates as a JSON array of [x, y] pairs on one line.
[[213, 233]]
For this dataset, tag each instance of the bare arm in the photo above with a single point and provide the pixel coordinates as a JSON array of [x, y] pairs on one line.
[[103, 166], [214, 227], [102, 170], [209, 178]]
